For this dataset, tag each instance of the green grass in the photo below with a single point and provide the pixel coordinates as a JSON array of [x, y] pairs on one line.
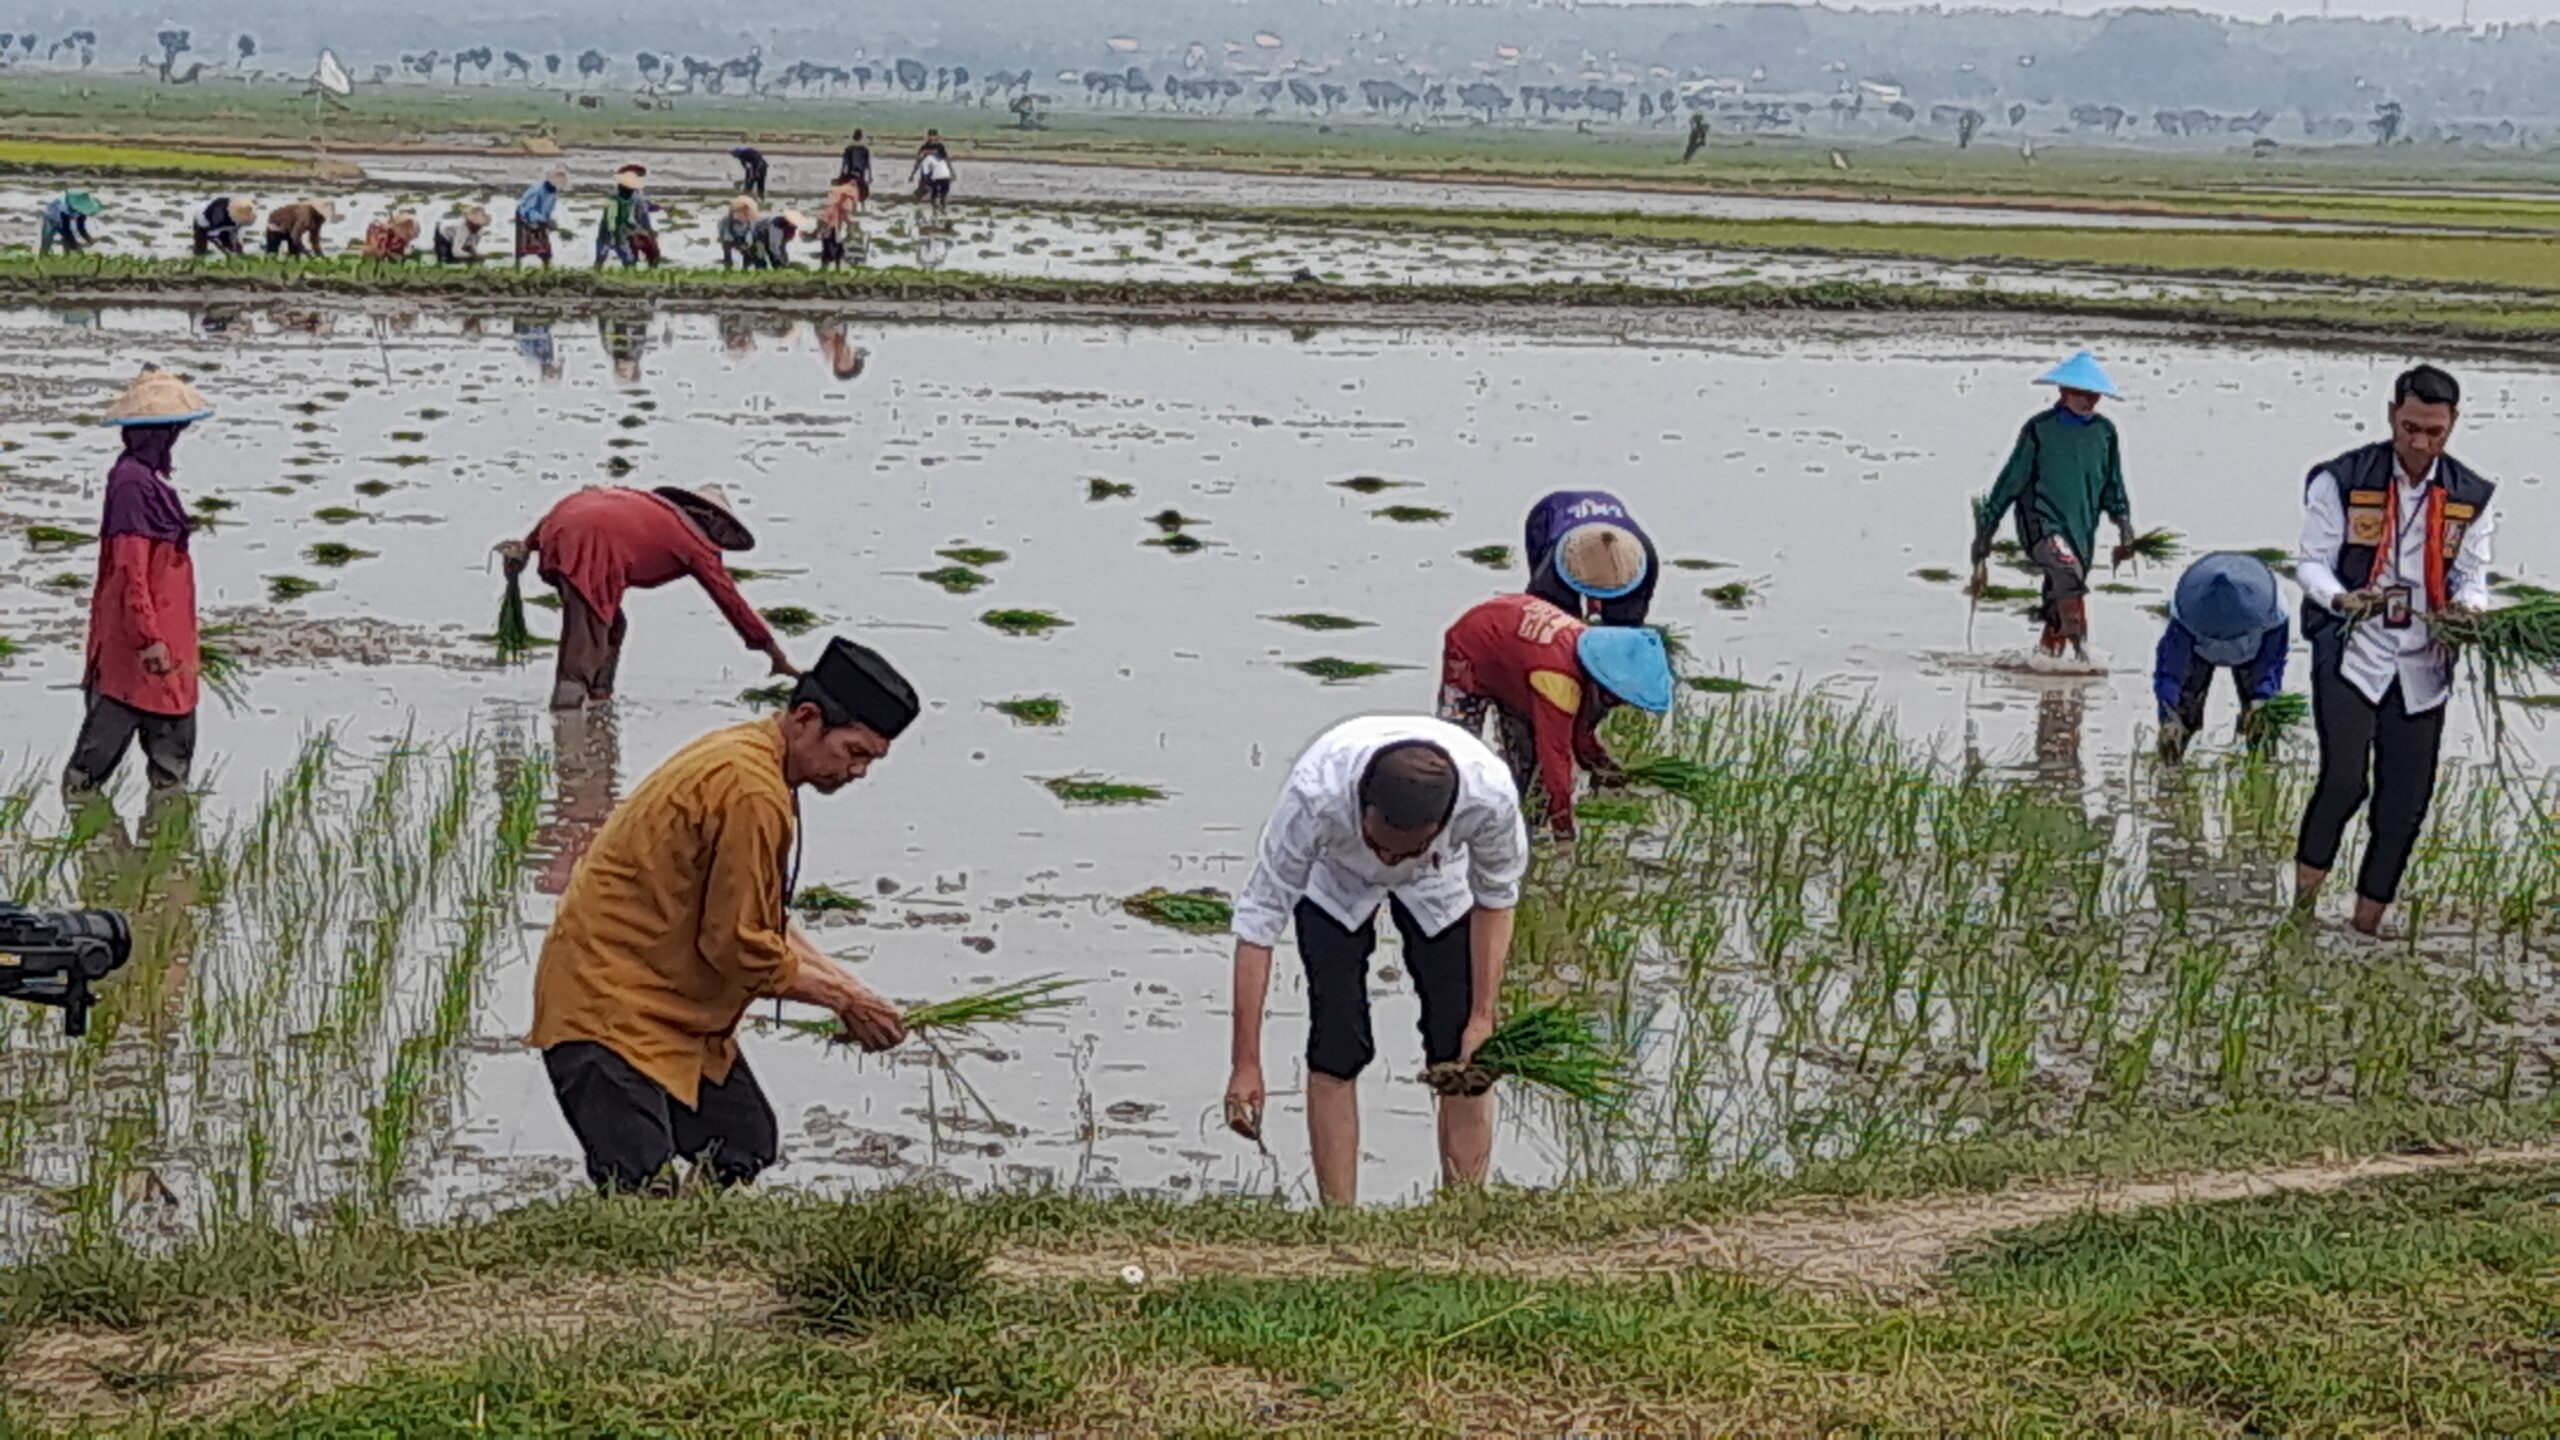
[[1032, 709], [1023, 622], [956, 579], [1196, 912], [1090, 790], [58, 157]]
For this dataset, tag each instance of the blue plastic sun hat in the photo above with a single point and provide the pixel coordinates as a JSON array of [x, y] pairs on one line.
[[2081, 372], [1630, 662], [2228, 602], [157, 397], [1602, 560]]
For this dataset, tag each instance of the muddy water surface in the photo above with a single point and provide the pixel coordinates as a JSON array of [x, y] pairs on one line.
[[1819, 468]]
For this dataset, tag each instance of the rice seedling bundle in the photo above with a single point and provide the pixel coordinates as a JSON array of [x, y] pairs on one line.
[[2283, 715], [1018, 1003], [1687, 779], [1549, 1047], [2157, 547], [515, 638], [1200, 912], [2511, 644], [218, 667]]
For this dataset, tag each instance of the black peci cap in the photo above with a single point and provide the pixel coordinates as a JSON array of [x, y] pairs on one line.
[[854, 684]]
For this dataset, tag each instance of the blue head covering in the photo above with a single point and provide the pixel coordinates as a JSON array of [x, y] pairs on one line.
[[2229, 603], [2081, 372], [1630, 662]]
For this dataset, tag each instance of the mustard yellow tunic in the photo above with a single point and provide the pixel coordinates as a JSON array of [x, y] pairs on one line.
[[673, 922]]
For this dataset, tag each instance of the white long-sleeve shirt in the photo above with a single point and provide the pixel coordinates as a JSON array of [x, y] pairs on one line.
[[2376, 654], [1313, 846]]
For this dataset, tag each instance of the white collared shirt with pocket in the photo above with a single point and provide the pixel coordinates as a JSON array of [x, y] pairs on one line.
[[2376, 654]]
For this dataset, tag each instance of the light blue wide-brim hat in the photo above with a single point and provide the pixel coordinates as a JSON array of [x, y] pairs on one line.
[[2228, 602], [1630, 662], [2081, 372]]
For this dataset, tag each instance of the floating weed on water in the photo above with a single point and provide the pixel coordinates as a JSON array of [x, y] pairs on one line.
[[973, 555], [1173, 520], [828, 900], [1331, 668], [1179, 542], [767, 697], [1023, 622], [1086, 790], [1032, 709], [1492, 557], [1732, 595], [1372, 484], [1410, 514], [1721, 685], [1097, 488], [792, 619], [1318, 620], [333, 554], [1194, 912], [284, 588], [1688, 563], [373, 489], [1934, 575], [336, 514], [44, 537], [956, 579]]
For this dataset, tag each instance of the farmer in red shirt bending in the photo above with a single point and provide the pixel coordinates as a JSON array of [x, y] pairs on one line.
[[140, 679], [598, 544], [1550, 679]]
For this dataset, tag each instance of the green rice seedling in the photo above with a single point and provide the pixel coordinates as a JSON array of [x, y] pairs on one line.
[[1492, 557], [2277, 556], [827, 900], [2008, 594], [1602, 811], [1171, 520], [373, 489], [1196, 912], [1032, 709], [956, 579], [67, 581], [2511, 640], [1694, 563], [56, 537], [283, 589], [8, 647], [218, 666], [1372, 484], [1720, 685], [1085, 790], [1023, 622], [1318, 620], [2155, 546], [1935, 575], [1733, 595], [2281, 717], [771, 696], [514, 636], [1333, 669], [1179, 542], [1547, 1047], [1097, 488], [1689, 779], [1019, 1003], [544, 600], [215, 504], [2535, 702], [337, 514], [2112, 587], [792, 619], [333, 554], [1410, 514], [973, 555]]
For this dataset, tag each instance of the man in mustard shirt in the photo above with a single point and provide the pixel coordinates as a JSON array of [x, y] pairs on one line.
[[676, 921]]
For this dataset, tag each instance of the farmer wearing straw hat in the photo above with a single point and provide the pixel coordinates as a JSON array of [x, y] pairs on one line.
[[1550, 680], [1414, 816], [140, 677], [2393, 534], [389, 239], [537, 214], [2226, 614], [2066, 470], [218, 225], [599, 544], [737, 232], [837, 225], [677, 919], [457, 239], [295, 229], [1588, 557], [769, 243], [66, 223], [621, 218]]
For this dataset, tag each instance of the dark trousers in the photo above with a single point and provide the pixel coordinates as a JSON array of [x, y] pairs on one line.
[[108, 730], [2384, 743], [751, 181], [590, 652], [632, 1130], [1339, 1040], [2197, 686]]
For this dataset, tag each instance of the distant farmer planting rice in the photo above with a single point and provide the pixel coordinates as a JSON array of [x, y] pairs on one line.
[[217, 227]]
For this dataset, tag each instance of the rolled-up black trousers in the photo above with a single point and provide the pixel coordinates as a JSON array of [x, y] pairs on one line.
[[632, 1130], [2368, 749]]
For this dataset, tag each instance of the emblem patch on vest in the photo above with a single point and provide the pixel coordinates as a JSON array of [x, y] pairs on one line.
[[2365, 524]]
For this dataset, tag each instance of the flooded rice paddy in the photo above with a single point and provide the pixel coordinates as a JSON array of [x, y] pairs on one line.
[[1819, 470]]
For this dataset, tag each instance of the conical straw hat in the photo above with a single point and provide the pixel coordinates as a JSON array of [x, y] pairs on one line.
[[243, 211], [742, 208], [157, 397], [708, 506]]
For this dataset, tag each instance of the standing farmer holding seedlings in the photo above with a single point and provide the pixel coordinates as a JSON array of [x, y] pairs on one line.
[[599, 544], [1419, 815], [2393, 534], [141, 675], [1588, 557], [677, 919], [2066, 470], [1549, 679], [2226, 614]]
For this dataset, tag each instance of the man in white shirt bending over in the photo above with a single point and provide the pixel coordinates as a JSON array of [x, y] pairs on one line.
[[1416, 813], [2394, 533]]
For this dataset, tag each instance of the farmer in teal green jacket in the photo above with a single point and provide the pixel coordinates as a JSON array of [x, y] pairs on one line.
[[2066, 471]]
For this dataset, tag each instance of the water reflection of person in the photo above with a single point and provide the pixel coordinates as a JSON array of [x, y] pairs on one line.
[[149, 873], [586, 749], [2062, 713], [845, 360], [738, 334], [626, 339], [535, 343]]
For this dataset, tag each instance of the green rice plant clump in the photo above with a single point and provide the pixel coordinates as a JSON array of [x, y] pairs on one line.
[[283, 589], [1688, 779], [792, 619], [772, 696], [333, 554], [1733, 595], [1097, 488], [68, 581], [1371, 484], [1318, 620], [1033, 710], [336, 514], [2283, 715], [973, 555], [1022, 622], [1197, 912], [1179, 542], [218, 666], [1084, 790], [956, 579], [1492, 557], [2155, 546], [1017, 1003], [57, 536], [827, 900], [1720, 685], [1546, 1047], [1410, 514], [892, 1258], [1934, 575], [1333, 668]]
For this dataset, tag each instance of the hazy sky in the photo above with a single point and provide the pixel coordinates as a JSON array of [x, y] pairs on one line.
[[2438, 11]]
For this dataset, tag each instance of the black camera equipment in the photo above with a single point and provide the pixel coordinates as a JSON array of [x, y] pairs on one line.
[[52, 957]]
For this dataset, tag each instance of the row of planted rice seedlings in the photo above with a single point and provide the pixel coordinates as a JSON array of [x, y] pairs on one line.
[[1833, 941]]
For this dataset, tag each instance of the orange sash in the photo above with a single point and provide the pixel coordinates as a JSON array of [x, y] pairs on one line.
[[2388, 553]]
